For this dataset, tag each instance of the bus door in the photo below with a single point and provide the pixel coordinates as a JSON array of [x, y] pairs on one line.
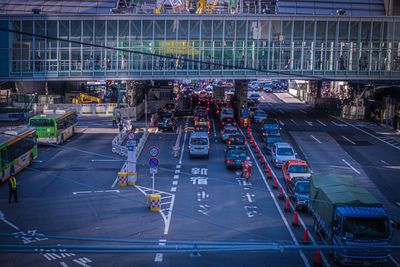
[[3, 158]]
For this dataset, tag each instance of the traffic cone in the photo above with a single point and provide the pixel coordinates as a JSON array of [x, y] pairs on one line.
[[262, 160], [305, 236], [275, 184], [266, 169], [287, 205], [269, 175], [281, 193], [295, 221], [317, 260], [258, 153]]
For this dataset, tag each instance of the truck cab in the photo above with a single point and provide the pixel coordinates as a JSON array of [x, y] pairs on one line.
[[365, 228]]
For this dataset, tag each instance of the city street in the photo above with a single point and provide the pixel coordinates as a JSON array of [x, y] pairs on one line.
[[70, 191]]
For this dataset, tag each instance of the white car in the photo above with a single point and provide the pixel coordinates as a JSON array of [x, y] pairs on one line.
[[254, 97], [280, 153]]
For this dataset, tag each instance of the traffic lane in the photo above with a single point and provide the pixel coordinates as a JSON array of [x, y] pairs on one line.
[[218, 207]]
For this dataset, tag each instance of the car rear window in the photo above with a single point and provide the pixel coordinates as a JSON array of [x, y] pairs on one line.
[[227, 111], [285, 151], [237, 154], [198, 141], [230, 131], [298, 169], [275, 139]]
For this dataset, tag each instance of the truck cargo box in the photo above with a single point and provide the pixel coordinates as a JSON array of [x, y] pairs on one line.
[[330, 191]]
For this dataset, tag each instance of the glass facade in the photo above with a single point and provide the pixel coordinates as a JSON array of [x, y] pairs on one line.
[[179, 46]]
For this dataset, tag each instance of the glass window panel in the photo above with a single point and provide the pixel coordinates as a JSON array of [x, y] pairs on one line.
[[264, 30], [343, 30], [229, 30], [332, 30], [397, 31], [194, 29], [112, 32], [276, 30], [287, 30], [309, 31], [171, 29], [365, 31], [321, 30], [241, 30], [206, 29], [218, 29], [298, 30], [159, 29], [135, 29], [88, 31], [376, 31], [183, 30]]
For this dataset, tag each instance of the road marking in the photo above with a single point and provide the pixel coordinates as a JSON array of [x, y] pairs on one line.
[[306, 262], [262, 97], [339, 124], [313, 137], [249, 197], [174, 182], [107, 160], [37, 161], [183, 146], [178, 166], [173, 189], [82, 192], [63, 264], [398, 204], [309, 123], [215, 132], [292, 120], [302, 255], [384, 162], [96, 191], [305, 112], [281, 111], [320, 122], [348, 164], [3, 218], [347, 139], [281, 122], [176, 176], [177, 171], [395, 262]]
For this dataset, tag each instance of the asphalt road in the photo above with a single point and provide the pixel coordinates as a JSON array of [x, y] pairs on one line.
[[69, 192]]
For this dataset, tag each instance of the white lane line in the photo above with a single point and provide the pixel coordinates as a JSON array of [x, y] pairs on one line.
[[168, 222], [115, 182], [3, 218], [107, 160], [302, 255], [305, 112], [178, 166], [262, 97], [361, 130], [395, 262], [320, 122], [348, 140], [292, 120], [313, 137], [82, 192], [174, 182], [348, 164], [324, 259], [37, 161], [173, 189], [183, 146], [177, 171], [109, 191], [309, 123], [281, 122], [176, 176], [384, 162]]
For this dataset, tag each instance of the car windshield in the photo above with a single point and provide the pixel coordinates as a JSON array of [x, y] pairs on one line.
[[227, 111], [298, 169], [237, 154], [273, 139], [254, 95], [360, 228], [199, 141], [271, 127], [303, 188], [285, 151], [41, 123]]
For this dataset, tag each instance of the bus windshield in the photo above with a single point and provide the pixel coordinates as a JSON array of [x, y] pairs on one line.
[[41, 123]]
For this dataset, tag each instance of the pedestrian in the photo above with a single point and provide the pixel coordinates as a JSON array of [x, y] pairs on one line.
[[121, 126], [12, 185], [114, 121]]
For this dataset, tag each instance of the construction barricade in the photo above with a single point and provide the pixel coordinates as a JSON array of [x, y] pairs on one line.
[[153, 202], [132, 178], [123, 178]]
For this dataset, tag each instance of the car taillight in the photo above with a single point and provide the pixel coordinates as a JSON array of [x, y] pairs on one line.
[[245, 142], [229, 161], [223, 123]]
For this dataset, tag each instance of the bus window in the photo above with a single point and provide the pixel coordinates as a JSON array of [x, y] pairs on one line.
[[41, 123]]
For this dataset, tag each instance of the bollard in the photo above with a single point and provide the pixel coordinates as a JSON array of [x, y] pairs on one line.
[[132, 178], [269, 175], [305, 236], [153, 202], [122, 178], [281, 197], [287, 205]]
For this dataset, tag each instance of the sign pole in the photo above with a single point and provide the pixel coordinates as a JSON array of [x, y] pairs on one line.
[[153, 182]]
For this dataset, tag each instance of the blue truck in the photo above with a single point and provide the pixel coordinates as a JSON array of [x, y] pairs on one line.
[[349, 217]]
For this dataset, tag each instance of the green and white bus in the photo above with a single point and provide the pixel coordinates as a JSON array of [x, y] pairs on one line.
[[18, 147], [54, 126]]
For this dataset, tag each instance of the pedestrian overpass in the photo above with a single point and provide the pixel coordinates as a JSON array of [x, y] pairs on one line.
[[39, 47]]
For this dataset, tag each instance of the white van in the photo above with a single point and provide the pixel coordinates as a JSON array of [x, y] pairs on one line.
[[199, 145]]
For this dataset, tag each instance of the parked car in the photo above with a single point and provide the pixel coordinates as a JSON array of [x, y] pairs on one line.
[[280, 153], [259, 116], [298, 189], [199, 145], [234, 158], [270, 140], [295, 168], [227, 131]]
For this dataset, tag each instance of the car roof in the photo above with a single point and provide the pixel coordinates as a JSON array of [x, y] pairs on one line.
[[271, 121], [199, 134], [230, 128], [281, 144], [298, 162]]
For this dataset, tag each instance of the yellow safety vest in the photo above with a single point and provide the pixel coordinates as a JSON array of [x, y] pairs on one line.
[[13, 182]]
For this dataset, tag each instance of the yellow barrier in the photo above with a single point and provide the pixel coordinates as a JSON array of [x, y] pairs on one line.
[[153, 202], [123, 178]]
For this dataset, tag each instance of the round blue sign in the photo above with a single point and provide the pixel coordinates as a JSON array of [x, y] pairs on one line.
[[153, 162], [154, 151]]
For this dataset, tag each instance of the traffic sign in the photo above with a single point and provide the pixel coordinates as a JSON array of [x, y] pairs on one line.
[[131, 143], [153, 170], [153, 162], [131, 135], [154, 151], [245, 113]]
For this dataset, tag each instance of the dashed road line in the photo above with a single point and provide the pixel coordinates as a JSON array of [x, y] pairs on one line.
[[351, 167], [173, 189], [313, 137], [176, 176], [281, 122], [292, 120], [309, 123], [178, 166], [320, 122], [303, 111], [215, 132], [177, 171], [384, 162], [174, 182], [348, 140]]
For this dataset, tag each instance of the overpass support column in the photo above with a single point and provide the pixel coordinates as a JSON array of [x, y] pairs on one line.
[[240, 101]]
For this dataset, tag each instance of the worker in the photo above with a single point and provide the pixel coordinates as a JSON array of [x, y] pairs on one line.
[[114, 121], [246, 169], [12, 184]]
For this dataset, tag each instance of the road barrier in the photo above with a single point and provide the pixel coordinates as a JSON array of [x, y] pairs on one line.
[[153, 202], [122, 178], [176, 148]]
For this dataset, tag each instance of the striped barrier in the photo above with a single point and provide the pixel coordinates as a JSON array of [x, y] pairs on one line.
[[153, 202]]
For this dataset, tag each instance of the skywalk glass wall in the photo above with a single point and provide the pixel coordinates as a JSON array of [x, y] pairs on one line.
[[122, 46]]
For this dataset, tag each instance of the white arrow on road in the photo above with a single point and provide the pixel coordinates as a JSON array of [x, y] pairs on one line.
[[309, 123]]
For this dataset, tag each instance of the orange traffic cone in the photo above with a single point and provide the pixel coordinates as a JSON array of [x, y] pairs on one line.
[[317, 260], [275, 184], [280, 193], [258, 153], [305, 236], [295, 221], [266, 169], [287, 205], [262, 160], [269, 175]]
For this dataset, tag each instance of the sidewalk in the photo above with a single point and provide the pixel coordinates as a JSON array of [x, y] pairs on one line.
[[288, 98]]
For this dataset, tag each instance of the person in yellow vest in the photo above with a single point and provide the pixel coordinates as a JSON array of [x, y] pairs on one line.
[[12, 183]]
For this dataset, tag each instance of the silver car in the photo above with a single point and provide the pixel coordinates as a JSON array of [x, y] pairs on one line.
[[280, 153]]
